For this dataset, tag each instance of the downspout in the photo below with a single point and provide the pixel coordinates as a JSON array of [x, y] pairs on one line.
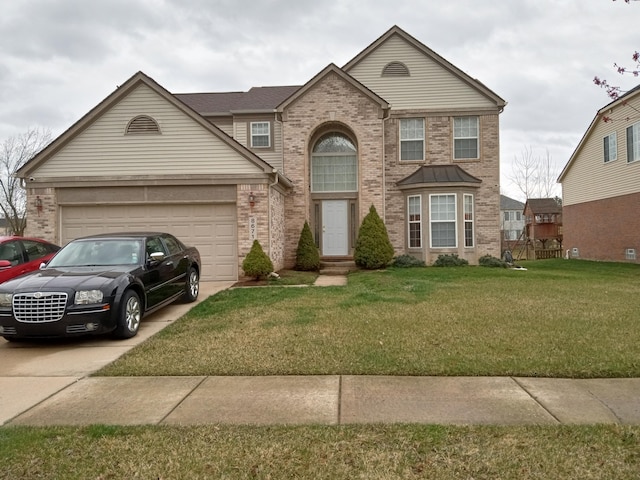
[[271, 185]]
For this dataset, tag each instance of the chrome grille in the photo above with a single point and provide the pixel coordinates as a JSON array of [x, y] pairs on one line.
[[39, 307]]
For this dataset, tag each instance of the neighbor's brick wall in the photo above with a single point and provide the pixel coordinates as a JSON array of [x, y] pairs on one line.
[[331, 102], [603, 229], [42, 223]]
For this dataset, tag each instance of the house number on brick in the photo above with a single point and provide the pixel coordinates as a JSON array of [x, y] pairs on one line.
[[253, 228]]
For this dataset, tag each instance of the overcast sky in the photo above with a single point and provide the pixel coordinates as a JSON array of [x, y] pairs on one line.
[[59, 59]]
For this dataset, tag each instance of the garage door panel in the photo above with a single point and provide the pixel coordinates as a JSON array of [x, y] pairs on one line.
[[210, 228]]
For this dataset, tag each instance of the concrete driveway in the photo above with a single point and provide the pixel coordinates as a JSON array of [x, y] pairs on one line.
[[31, 372]]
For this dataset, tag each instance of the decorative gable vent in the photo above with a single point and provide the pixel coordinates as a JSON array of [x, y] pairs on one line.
[[395, 69], [143, 124]]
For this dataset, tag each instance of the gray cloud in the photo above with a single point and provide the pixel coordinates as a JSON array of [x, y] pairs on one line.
[[60, 58]]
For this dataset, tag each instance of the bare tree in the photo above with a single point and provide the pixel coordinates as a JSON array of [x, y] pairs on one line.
[[14, 153], [535, 176]]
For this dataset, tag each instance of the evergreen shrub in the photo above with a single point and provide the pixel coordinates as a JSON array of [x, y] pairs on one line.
[[257, 263], [307, 254], [373, 248]]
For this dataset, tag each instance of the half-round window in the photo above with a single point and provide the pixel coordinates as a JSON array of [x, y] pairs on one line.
[[334, 164], [395, 69], [143, 124]]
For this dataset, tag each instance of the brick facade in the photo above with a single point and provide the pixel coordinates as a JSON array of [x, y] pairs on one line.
[[587, 226], [332, 104]]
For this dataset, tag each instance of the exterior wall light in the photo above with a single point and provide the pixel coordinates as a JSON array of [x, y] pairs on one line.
[[38, 204], [252, 199]]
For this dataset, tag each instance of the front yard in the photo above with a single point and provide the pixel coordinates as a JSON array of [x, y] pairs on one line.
[[559, 319]]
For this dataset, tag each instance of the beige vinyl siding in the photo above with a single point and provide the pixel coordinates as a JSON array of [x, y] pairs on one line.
[[589, 177], [183, 146], [225, 124], [430, 86], [273, 156]]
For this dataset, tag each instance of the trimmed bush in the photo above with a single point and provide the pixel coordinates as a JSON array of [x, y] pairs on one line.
[[407, 261], [490, 261], [373, 248], [307, 254], [450, 260], [257, 263]]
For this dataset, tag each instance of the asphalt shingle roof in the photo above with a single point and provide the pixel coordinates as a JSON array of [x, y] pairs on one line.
[[256, 99]]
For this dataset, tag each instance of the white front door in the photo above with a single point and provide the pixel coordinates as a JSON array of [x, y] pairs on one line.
[[335, 240]]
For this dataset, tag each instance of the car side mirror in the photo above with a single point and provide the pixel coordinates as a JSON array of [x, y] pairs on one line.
[[4, 264], [42, 265], [156, 256]]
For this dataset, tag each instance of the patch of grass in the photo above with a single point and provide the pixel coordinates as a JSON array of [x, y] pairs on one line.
[[320, 452], [557, 319]]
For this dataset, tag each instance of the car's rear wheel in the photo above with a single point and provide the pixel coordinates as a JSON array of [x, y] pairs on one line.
[[192, 288], [129, 316]]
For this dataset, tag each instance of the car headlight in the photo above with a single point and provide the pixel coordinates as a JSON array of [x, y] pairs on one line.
[[6, 299], [86, 297]]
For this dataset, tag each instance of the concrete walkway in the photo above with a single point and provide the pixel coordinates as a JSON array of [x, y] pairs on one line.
[[51, 385]]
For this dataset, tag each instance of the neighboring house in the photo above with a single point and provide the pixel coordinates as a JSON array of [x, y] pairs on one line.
[[543, 226], [601, 185], [511, 212], [398, 127]]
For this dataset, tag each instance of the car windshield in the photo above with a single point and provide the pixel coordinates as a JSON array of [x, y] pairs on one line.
[[98, 252]]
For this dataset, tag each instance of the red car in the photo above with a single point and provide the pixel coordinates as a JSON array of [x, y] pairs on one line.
[[19, 255]]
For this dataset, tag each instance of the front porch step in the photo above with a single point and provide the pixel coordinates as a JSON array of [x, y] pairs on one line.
[[331, 266]]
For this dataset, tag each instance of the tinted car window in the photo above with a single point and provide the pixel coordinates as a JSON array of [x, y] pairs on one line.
[[36, 250], [173, 245], [154, 244], [10, 251]]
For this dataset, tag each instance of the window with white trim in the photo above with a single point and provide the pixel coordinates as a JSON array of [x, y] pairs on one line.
[[610, 147], [465, 137], [414, 209], [468, 220], [411, 139], [633, 143], [442, 210], [260, 134], [334, 164]]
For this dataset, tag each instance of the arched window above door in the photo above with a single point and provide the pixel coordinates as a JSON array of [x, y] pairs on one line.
[[334, 164]]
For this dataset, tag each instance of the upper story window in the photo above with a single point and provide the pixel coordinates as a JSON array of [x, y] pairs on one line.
[[465, 137], [633, 143], [411, 139], [143, 124], [610, 147], [260, 134], [512, 216], [334, 164], [395, 69]]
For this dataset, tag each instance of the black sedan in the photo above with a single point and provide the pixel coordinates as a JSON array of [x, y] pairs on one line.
[[100, 284]]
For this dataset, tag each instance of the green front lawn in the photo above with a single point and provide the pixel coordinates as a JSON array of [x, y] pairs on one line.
[[557, 319]]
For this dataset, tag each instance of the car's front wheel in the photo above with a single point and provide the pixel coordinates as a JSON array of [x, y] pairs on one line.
[[192, 287], [129, 316]]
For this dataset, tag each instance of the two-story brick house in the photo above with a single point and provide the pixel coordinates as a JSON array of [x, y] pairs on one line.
[[398, 127]]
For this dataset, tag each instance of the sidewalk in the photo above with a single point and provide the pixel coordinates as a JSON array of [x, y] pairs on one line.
[[338, 400], [51, 386]]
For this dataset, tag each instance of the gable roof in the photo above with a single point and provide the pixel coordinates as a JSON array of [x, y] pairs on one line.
[[507, 203], [257, 99], [598, 118], [395, 30], [437, 174], [121, 92], [333, 68], [543, 205]]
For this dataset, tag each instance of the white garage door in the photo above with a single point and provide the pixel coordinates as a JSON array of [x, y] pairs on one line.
[[210, 228]]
